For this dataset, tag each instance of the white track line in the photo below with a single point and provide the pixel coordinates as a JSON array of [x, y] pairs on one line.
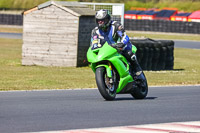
[[176, 127], [77, 89]]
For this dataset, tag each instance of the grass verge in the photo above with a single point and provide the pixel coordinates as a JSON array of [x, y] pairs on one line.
[[159, 35], [186, 69], [14, 76], [11, 29]]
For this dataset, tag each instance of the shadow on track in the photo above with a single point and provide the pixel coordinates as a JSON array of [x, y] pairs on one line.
[[130, 98]]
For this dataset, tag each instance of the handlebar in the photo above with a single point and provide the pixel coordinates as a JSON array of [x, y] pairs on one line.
[[118, 46]]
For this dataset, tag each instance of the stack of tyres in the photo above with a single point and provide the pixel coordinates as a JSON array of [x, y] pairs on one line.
[[150, 56], [144, 60], [198, 27], [195, 28], [147, 59], [181, 27], [170, 56], [155, 54], [163, 26], [140, 50], [127, 24], [169, 61], [168, 26], [163, 55], [143, 52], [138, 25], [11, 19]]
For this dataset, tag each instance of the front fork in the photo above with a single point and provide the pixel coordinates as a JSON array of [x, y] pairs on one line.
[[109, 79], [111, 71], [108, 69]]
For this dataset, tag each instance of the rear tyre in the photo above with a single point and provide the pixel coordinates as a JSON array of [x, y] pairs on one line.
[[106, 88], [141, 89]]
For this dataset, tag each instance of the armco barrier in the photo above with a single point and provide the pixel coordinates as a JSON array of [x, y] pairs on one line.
[[154, 54], [129, 24], [11, 19], [162, 26]]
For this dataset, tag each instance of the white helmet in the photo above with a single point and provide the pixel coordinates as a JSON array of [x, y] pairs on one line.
[[103, 18]]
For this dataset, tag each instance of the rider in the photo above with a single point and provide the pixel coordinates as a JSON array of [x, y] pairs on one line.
[[113, 32]]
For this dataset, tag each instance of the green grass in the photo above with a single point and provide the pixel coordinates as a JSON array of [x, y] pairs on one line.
[[182, 5], [14, 76], [10, 30], [186, 69], [171, 36]]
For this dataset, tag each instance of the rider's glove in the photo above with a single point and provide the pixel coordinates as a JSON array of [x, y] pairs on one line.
[[119, 46]]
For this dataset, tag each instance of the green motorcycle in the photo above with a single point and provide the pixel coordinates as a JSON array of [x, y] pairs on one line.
[[113, 73]]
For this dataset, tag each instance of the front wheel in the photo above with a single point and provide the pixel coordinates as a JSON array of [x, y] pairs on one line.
[[106, 85], [141, 89]]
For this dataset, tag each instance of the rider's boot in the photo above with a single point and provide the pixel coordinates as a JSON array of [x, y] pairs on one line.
[[135, 65]]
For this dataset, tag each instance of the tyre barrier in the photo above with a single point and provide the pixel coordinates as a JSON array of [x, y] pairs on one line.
[[154, 55], [11, 19], [162, 26]]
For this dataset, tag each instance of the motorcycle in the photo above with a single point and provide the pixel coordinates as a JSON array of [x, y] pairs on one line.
[[113, 73]]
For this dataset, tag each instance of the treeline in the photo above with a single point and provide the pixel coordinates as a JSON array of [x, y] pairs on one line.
[[184, 5], [181, 5]]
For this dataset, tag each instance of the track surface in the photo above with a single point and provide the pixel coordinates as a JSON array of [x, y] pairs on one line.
[[34, 111], [11, 35], [187, 44]]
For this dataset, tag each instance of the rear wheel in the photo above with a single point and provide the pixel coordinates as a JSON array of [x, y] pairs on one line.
[[141, 89], [106, 86]]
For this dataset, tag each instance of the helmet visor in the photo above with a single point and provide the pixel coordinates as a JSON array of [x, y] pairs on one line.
[[100, 21]]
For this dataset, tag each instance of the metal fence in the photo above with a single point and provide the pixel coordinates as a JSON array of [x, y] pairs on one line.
[[116, 10]]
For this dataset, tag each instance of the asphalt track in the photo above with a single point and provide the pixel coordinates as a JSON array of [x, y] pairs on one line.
[[11, 35], [33, 111], [187, 44]]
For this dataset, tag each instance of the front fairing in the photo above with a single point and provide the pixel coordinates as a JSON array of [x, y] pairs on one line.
[[101, 53]]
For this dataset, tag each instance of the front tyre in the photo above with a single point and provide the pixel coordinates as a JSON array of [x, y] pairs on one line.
[[141, 89], [106, 88]]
